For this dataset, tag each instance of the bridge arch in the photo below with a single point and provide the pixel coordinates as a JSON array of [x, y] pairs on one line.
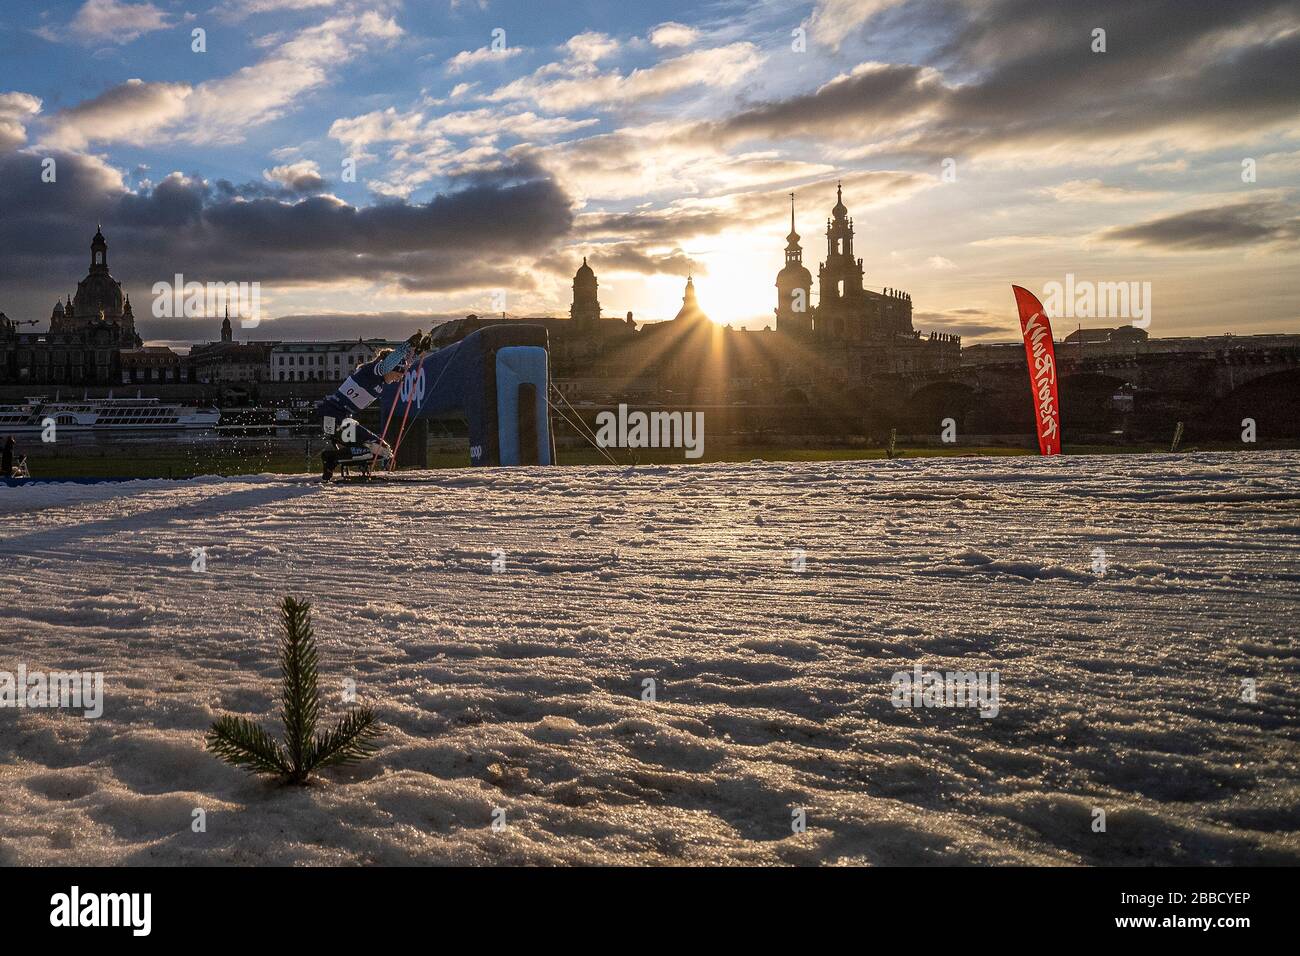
[[1272, 400], [1088, 402], [929, 405]]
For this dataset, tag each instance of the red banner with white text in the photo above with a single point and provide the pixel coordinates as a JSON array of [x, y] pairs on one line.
[[1040, 352]]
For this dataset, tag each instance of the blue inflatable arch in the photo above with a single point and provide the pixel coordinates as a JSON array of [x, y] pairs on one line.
[[497, 380]]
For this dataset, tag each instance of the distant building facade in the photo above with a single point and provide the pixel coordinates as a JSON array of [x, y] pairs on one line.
[[85, 336], [98, 302], [852, 335], [319, 361], [153, 365], [88, 357]]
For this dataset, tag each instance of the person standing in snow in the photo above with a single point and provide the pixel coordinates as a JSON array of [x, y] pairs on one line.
[[7, 458], [361, 390]]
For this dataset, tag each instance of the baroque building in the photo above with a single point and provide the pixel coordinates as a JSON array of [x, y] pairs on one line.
[[99, 301], [853, 335], [852, 339], [846, 311], [87, 334], [585, 310], [794, 287]]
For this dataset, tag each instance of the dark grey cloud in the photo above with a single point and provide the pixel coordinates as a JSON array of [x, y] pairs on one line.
[[622, 257], [868, 98], [627, 257], [765, 209], [299, 187], [1020, 73], [654, 226], [465, 238], [971, 323], [1265, 221]]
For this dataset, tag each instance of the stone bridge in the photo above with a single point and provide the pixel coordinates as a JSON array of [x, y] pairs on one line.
[[1218, 373], [1142, 394]]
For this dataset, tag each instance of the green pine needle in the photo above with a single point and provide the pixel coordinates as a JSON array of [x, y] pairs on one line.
[[242, 743], [301, 695], [352, 739]]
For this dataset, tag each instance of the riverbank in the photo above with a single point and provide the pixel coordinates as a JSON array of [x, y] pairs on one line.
[[231, 458]]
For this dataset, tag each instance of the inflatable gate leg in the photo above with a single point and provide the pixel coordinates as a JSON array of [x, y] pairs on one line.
[[498, 380]]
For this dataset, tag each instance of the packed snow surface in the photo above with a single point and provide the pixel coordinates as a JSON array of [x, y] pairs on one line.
[[515, 695]]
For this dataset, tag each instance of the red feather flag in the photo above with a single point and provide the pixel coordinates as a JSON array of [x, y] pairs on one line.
[[1040, 353]]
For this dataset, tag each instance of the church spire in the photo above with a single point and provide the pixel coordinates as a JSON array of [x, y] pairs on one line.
[[840, 210], [690, 309], [586, 303], [99, 250], [793, 251]]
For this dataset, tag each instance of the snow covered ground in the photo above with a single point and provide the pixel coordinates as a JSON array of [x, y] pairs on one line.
[[517, 695]]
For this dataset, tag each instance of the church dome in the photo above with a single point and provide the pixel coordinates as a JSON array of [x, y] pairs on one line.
[[795, 275], [98, 292], [584, 270], [690, 310]]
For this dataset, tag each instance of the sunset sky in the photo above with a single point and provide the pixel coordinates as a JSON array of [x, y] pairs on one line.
[[656, 138]]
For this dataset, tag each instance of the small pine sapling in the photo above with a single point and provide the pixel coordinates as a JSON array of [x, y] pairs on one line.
[[242, 743]]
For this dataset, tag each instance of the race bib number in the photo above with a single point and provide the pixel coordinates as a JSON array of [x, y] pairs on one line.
[[355, 394]]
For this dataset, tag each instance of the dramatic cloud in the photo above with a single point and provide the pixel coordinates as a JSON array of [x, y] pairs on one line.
[[591, 46], [583, 86], [301, 177], [423, 147], [970, 323], [1267, 221], [222, 109], [764, 211], [1031, 83], [16, 109], [108, 21], [623, 257], [481, 233], [299, 327], [239, 9], [465, 59], [125, 112], [673, 34], [833, 20], [1094, 190], [660, 149], [873, 99]]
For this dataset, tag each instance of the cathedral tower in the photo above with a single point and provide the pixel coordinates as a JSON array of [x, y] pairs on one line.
[[586, 307], [690, 313], [99, 296], [793, 286], [840, 278]]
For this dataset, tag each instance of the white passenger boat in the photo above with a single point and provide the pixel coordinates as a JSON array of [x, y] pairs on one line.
[[104, 414]]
